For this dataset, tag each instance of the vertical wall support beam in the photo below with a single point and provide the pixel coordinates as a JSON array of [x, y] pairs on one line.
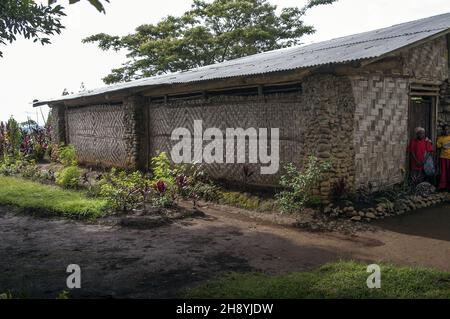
[[58, 123], [135, 131]]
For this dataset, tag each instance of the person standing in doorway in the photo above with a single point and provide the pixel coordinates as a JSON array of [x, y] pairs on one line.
[[417, 149], [443, 144]]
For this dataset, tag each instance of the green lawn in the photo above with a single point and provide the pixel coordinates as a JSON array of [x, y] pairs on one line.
[[337, 280], [46, 199]]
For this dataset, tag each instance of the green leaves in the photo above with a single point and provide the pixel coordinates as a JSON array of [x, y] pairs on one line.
[[299, 185], [96, 3], [33, 21], [208, 33]]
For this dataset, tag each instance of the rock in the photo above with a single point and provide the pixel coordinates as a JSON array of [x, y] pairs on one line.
[[371, 216], [356, 218], [348, 209]]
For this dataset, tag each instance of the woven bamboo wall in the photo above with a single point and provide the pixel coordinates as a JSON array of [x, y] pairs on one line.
[[317, 122], [98, 134], [381, 126], [428, 62], [381, 117]]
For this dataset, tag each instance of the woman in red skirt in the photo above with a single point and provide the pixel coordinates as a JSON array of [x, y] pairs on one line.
[[443, 144], [417, 149]]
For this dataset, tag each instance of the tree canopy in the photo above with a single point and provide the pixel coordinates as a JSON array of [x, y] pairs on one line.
[[32, 20], [209, 32]]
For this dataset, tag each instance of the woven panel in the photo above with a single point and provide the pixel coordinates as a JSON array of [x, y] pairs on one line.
[[428, 61], [98, 134], [233, 113], [380, 138]]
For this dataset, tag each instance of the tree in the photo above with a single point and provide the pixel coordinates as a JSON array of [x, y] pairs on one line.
[[208, 33], [32, 20]]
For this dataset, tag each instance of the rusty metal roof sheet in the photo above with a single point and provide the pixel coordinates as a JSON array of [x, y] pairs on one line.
[[356, 47]]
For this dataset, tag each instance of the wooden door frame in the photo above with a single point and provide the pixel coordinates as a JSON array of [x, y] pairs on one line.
[[434, 114], [431, 91]]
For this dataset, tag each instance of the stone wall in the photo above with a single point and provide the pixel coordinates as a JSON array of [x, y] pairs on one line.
[[101, 134], [317, 122], [444, 106], [58, 124]]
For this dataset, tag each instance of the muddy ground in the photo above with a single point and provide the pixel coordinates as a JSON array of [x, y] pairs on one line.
[[118, 262]]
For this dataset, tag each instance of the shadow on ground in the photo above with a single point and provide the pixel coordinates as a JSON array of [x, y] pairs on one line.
[[122, 262], [430, 223]]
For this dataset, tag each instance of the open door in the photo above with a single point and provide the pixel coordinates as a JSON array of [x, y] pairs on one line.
[[423, 112], [421, 115]]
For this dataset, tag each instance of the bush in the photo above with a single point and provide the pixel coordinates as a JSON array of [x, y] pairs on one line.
[[299, 185], [206, 191], [67, 155], [163, 168], [125, 191], [69, 177], [36, 140], [10, 139]]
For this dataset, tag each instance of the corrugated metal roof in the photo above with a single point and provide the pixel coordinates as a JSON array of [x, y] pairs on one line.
[[361, 46]]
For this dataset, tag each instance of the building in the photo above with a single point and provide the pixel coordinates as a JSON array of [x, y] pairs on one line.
[[354, 101]]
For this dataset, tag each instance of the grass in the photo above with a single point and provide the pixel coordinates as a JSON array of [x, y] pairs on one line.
[[49, 200], [246, 201], [343, 280]]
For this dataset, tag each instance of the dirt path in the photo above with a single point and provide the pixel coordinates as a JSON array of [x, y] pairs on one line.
[[158, 263]]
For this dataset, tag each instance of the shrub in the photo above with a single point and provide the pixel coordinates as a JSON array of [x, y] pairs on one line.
[[162, 168], [206, 191], [125, 191], [69, 177], [67, 155], [36, 140], [28, 169], [299, 185], [10, 139]]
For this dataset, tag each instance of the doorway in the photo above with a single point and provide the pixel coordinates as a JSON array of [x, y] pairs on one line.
[[422, 114]]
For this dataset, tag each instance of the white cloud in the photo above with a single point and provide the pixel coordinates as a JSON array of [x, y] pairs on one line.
[[30, 71]]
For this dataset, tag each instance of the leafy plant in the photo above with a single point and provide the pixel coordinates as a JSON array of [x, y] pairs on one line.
[[69, 177], [10, 138], [67, 155], [299, 185], [122, 190], [162, 168], [36, 140], [33, 20]]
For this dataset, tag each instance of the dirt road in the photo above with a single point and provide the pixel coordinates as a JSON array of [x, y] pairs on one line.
[[159, 263]]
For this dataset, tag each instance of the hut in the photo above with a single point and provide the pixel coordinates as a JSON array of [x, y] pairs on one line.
[[353, 101]]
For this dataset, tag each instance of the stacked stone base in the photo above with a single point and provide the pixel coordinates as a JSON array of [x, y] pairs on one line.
[[382, 211]]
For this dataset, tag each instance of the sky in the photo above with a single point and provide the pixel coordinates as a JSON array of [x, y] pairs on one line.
[[30, 71]]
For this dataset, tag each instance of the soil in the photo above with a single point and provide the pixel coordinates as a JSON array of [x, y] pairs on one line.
[[129, 262]]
